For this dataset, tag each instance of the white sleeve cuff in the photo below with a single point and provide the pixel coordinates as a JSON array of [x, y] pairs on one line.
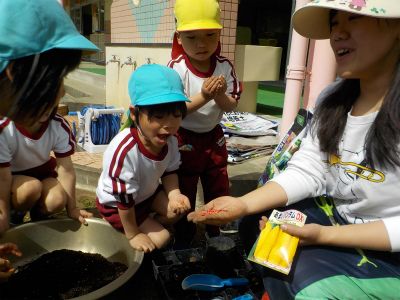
[[393, 229]]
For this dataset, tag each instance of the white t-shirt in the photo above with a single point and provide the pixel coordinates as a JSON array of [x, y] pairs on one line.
[[22, 151], [361, 194], [208, 116], [131, 174]]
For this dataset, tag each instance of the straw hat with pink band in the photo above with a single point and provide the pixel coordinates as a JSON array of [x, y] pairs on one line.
[[195, 15], [312, 20]]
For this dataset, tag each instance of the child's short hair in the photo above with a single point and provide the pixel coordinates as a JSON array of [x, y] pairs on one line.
[[166, 108], [197, 15], [37, 88], [171, 108]]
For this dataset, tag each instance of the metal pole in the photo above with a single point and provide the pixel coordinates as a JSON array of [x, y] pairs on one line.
[[321, 70], [295, 76]]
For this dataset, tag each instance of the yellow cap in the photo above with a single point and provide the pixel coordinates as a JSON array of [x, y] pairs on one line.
[[197, 15]]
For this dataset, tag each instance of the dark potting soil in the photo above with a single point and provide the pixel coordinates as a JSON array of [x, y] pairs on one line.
[[61, 274]]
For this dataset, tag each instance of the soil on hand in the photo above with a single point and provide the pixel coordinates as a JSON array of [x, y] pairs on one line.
[[61, 274]]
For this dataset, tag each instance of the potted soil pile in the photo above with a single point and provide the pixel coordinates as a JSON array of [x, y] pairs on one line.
[[61, 274]]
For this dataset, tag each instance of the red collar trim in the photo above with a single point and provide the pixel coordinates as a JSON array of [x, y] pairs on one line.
[[198, 73], [145, 151], [34, 136]]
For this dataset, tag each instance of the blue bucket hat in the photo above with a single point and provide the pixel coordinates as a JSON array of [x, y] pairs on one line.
[[155, 84], [29, 27]]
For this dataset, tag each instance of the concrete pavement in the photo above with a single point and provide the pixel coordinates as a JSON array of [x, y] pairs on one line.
[[83, 88]]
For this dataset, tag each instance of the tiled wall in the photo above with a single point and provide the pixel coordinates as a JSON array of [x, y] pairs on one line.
[[229, 16], [152, 21]]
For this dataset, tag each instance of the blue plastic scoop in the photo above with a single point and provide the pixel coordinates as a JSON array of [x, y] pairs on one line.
[[210, 282]]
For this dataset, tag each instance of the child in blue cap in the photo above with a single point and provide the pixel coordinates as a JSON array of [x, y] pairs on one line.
[[39, 46], [140, 164]]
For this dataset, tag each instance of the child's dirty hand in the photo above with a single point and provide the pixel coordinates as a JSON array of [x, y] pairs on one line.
[[142, 242], [179, 204], [9, 248], [6, 269], [80, 215], [210, 87], [5, 265]]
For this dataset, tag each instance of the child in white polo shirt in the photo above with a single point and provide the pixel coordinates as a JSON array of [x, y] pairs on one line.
[[139, 166], [28, 84], [32, 179]]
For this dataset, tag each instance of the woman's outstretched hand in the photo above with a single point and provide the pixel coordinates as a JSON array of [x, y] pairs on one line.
[[219, 211]]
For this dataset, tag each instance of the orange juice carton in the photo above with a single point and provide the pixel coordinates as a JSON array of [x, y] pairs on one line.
[[274, 248]]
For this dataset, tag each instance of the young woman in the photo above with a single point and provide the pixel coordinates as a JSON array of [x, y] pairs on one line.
[[351, 154]]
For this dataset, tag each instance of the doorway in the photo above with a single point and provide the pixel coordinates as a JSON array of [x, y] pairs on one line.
[[268, 23]]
